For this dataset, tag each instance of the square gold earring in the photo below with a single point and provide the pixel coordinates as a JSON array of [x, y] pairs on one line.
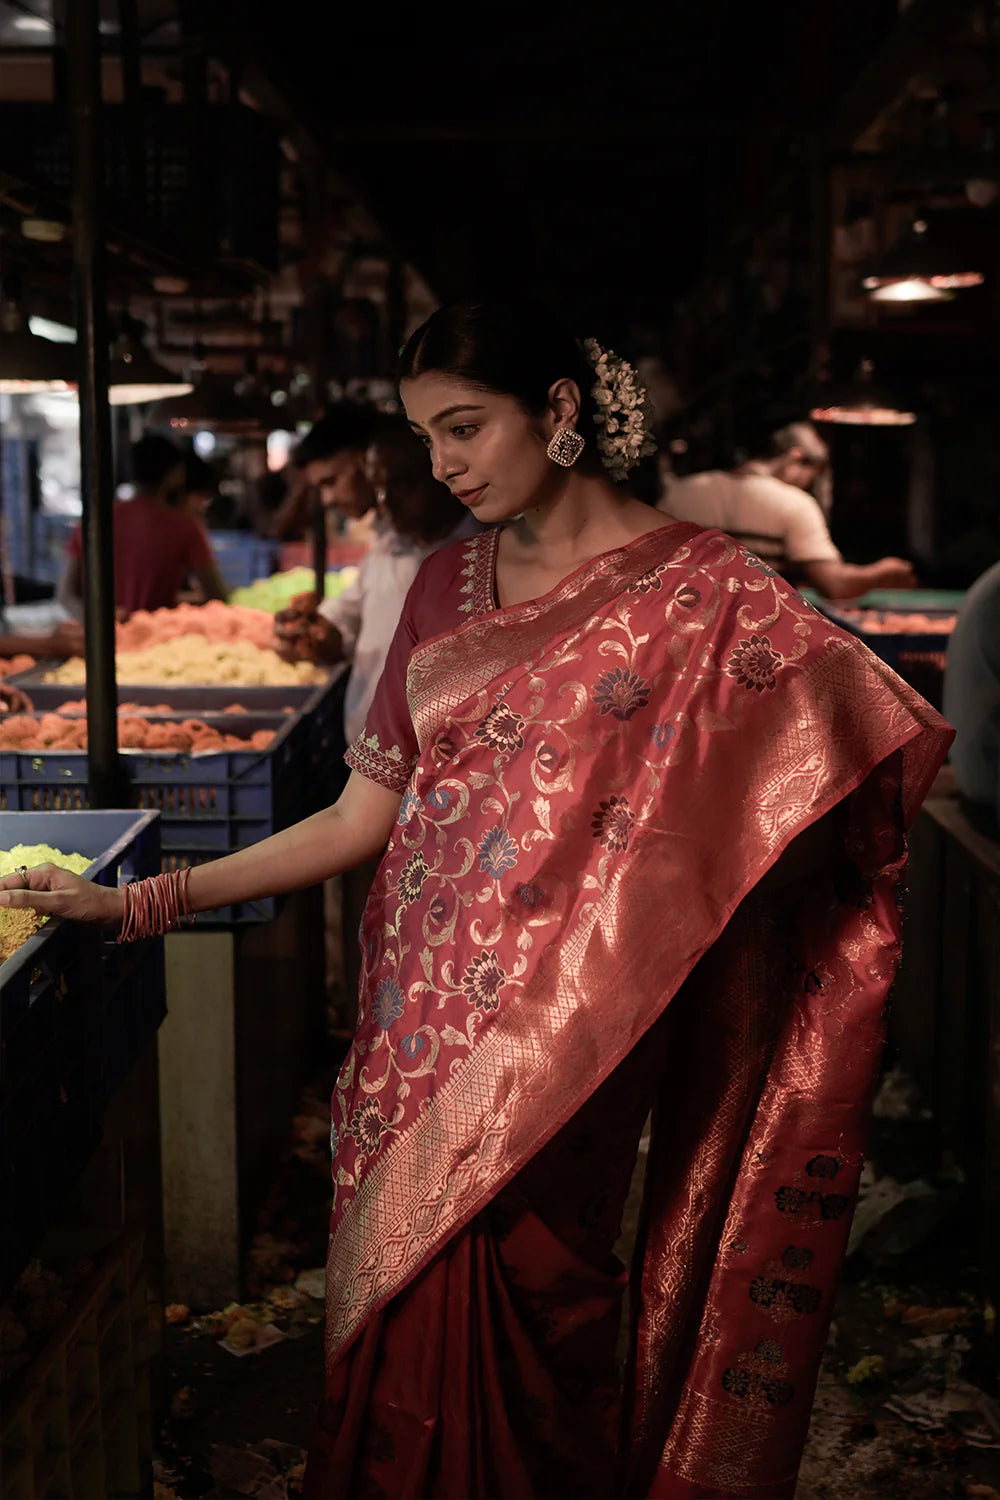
[[565, 447]]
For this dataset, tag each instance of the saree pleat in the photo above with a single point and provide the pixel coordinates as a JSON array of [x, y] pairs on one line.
[[496, 1373]]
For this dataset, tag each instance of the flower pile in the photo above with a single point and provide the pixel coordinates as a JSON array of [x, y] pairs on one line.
[[189, 736], [624, 414], [197, 659], [12, 664]]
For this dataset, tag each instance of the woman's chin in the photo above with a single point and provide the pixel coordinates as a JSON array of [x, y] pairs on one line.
[[493, 512]]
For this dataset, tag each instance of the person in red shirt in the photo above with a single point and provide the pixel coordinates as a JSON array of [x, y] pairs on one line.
[[159, 544]]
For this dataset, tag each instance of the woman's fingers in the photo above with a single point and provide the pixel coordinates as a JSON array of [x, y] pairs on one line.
[[51, 902], [59, 893], [38, 878], [43, 888]]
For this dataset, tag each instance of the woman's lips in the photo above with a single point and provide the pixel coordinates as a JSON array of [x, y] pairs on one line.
[[471, 497]]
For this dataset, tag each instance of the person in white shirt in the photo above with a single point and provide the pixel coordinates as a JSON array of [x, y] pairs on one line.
[[414, 516], [765, 506]]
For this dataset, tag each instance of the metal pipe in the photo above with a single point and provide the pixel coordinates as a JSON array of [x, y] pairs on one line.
[[131, 64], [107, 787], [198, 123], [317, 532]]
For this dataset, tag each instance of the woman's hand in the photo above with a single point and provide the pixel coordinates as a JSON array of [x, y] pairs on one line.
[[59, 893]]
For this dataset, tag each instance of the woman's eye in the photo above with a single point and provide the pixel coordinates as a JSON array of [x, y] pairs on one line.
[[464, 430]]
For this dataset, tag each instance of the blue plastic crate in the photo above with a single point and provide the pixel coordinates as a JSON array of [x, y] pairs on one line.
[[211, 804], [76, 1010], [194, 702], [243, 558], [50, 535]]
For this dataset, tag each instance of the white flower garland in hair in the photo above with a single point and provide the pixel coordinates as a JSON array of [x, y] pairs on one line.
[[624, 413]]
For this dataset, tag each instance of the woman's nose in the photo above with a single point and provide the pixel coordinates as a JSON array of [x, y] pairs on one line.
[[444, 465]]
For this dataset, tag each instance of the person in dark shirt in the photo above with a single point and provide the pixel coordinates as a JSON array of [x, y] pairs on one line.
[[159, 544]]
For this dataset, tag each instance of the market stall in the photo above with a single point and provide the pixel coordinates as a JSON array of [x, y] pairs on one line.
[[75, 1013], [229, 744], [80, 1220]]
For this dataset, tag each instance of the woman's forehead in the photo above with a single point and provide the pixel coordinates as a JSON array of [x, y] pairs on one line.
[[433, 397]]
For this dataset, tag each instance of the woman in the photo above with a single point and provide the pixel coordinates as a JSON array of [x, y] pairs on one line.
[[647, 816]]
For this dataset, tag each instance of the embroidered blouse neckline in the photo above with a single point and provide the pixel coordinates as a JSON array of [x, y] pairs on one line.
[[479, 589]]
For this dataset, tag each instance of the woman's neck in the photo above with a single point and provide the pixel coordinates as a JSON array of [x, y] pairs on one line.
[[587, 516]]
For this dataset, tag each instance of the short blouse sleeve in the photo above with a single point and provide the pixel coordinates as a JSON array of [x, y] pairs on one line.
[[386, 750]]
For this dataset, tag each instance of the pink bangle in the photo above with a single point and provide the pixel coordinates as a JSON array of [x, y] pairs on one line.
[[155, 906]]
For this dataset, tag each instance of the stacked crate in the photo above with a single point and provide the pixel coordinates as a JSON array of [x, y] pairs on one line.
[[212, 803], [76, 1011], [77, 1422]]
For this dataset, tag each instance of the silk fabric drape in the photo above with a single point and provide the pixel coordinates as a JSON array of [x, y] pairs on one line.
[[568, 927]]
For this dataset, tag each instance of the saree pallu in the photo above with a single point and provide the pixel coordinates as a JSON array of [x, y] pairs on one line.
[[572, 928]]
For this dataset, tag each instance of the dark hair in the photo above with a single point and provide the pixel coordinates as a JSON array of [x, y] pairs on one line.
[[348, 425], [393, 436], [417, 504], [152, 459], [512, 348], [802, 435], [199, 477]]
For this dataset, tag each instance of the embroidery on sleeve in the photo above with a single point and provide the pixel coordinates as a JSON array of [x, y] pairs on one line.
[[389, 768]]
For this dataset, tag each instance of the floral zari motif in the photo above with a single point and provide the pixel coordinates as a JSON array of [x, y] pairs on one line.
[[584, 818]]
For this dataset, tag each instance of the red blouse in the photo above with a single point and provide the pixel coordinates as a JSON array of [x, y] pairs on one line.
[[453, 586]]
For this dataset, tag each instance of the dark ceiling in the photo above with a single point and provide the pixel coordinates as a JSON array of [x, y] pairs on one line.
[[594, 153]]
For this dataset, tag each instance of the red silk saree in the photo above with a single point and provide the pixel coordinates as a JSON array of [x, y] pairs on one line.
[[572, 928]]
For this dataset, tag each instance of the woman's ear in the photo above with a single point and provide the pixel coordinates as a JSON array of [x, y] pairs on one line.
[[564, 404]]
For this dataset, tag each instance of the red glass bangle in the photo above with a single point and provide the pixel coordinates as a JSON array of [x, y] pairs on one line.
[[155, 906]]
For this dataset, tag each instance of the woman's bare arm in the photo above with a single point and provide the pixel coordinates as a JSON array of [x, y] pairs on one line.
[[356, 828]]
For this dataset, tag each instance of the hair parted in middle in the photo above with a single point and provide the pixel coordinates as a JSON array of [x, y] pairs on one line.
[[512, 348]]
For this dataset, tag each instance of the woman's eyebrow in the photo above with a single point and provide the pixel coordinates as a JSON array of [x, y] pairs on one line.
[[450, 411]]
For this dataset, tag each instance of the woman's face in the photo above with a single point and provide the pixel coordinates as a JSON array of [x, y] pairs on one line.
[[483, 446]]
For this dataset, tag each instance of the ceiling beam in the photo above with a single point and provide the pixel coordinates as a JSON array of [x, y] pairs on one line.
[[917, 38], [583, 128]]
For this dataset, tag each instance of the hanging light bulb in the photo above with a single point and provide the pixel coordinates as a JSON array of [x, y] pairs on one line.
[[217, 405], [920, 269], [910, 289], [28, 362], [861, 402], [135, 376]]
